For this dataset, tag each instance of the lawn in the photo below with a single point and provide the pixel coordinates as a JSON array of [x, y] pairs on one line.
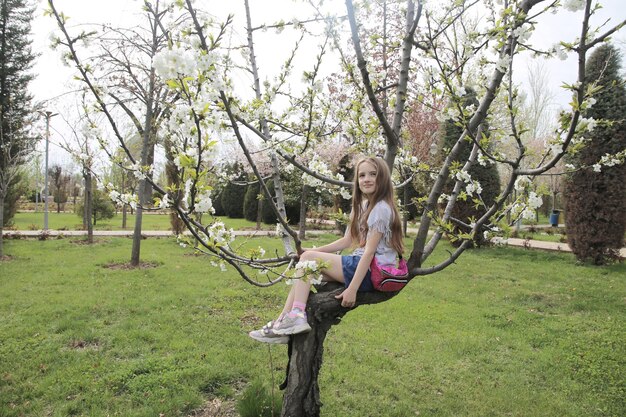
[[70, 221], [503, 332]]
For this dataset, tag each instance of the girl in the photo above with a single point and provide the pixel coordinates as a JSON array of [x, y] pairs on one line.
[[375, 231]]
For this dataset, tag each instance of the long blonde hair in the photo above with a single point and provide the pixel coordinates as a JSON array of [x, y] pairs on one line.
[[383, 192]]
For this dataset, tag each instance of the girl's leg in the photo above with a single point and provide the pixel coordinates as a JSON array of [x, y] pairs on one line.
[[300, 290], [294, 312], [334, 272], [288, 302]]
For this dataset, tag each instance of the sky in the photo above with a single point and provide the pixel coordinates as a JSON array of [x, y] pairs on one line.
[[53, 79]]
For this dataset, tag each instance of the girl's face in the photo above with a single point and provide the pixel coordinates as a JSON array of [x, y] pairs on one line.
[[367, 178]]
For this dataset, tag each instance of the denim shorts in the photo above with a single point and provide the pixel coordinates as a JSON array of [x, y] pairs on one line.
[[348, 265]]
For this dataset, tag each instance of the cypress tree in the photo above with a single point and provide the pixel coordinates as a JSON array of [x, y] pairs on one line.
[[267, 213], [217, 202], [16, 59], [233, 194], [251, 202], [595, 202], [487, 176]]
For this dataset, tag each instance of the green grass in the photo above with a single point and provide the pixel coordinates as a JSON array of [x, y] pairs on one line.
[[70, 221], [503, 332]]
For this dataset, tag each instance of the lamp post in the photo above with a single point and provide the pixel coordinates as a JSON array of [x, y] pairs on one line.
[[48, 115]]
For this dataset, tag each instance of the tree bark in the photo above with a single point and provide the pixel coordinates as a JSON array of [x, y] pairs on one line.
[[302, 229], [302, 394], [89, 206], [259, 211], [1, 224]]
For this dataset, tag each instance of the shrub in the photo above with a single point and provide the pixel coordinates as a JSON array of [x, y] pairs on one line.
[[596, 201], [292, 203], [232, 197], [251, 202], [102, 207], [217, 202]]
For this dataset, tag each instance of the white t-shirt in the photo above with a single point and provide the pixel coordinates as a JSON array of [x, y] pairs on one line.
[[379, 220]]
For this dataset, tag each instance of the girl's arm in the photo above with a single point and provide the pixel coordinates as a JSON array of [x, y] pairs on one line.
[[348, 296]]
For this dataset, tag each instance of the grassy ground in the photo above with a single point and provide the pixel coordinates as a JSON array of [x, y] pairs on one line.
[[70, 221], [503, 332]]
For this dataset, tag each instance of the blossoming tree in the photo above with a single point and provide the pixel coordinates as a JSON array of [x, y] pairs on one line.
[[287, 117]]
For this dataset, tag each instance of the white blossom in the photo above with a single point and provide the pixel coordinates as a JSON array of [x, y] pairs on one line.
[[219, 235], [528, 214], [522, 182], [204, 203], [574, 5], [502, 64], [473, 187], [559, 51], [590, 102], [597, 167], [172, 63], [165, 202], [463, 176], [522, 33], [534, 201]]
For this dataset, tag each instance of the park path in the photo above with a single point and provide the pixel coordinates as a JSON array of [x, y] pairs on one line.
[[526, 243]]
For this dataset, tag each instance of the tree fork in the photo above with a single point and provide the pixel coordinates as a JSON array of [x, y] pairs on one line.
[[302, 394]]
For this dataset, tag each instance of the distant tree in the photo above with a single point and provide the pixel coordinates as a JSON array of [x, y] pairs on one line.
[[232, 197], [217, 201], [251, 202], [469, 207], [60, 182], [16, 188], [595, 195], [16, 60], [121, 59], [102, 207]]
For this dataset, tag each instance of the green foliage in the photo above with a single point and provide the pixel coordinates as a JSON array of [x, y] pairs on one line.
[[217, 202], [16, 141], [345, 169], [292, 189], [232, 196], [102, 207], [466, 209], [596, 201], [15, 190], [251, 202], [257, 401], [408, 195]]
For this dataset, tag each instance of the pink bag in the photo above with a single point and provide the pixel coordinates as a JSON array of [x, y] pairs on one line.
[[388, 277]]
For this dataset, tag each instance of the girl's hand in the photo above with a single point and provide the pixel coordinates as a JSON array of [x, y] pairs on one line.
[[347, 297]]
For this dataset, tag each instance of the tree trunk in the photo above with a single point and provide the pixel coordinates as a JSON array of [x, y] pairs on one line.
[[302, 230], [144, 187], [136, 249], [89, 206], [259, 212], [405, 202], [1, 225], [302, 395]]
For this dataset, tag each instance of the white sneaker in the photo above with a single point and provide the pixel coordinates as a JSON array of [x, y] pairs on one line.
[[293, 325], [267, 335]]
